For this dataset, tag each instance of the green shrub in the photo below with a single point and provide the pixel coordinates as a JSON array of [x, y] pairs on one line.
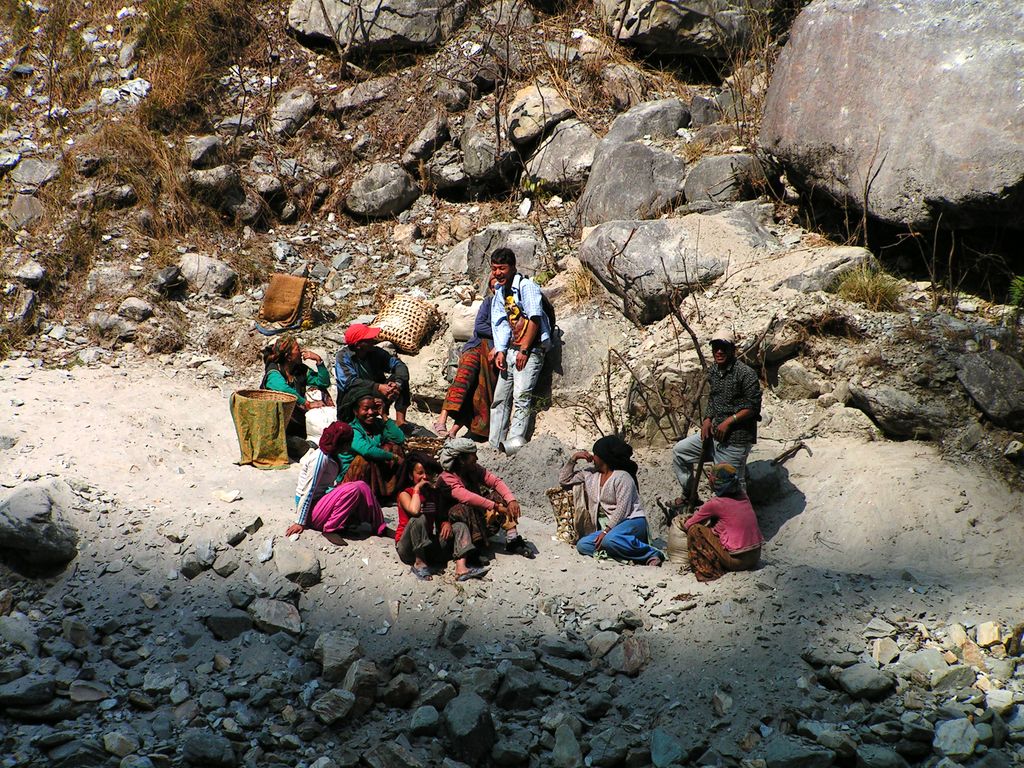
[[873, 288]]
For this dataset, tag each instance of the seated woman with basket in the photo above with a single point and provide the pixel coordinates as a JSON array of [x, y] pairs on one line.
[[285, 371], [734, 542], [468, 402], [329, 508], [480, 498], [425, 538], [377, 447], [611, 521]]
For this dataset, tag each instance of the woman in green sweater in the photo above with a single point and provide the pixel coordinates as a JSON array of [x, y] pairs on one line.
[[285, 371], [378, 444]]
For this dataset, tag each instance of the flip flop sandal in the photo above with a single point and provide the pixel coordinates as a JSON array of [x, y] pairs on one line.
[[472, 573], [518, 546], [423, 574]]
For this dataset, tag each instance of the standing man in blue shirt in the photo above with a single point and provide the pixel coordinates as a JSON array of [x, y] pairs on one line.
[[522, 336]]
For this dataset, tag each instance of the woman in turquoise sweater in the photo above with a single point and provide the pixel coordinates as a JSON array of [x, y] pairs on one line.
[[377, 444], [285, 371]]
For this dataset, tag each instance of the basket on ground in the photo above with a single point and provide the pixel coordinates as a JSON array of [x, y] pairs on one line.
[[261, 417], [562, 506], [406, 322], [431, 446]]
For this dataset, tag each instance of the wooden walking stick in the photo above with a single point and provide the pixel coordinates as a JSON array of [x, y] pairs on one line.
[[691, 503]]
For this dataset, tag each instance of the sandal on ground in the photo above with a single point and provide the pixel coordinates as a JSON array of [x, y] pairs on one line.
[[655, 562], [472, 573], [439, 429], [423, 574], [518, 546]]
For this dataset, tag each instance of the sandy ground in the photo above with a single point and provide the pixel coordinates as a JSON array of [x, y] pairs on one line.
[[862, 528]]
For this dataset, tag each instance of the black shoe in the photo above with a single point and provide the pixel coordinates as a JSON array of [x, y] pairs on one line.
[[518, 546]]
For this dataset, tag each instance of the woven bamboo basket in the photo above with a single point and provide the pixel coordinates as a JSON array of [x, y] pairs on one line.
[[431, 446], [266, 394], [406, 322], [561, 505]]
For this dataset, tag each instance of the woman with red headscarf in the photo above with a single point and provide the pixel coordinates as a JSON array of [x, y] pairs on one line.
[[323, 505]]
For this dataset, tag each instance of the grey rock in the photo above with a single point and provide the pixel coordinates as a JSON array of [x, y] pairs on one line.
[[445, 172], [878, 756], [297, 563], [219, 187], [562, 648], [135, 309], [704, 111], [361, 96], [630, 181], [863, 681], [924, 662], [995, 382], [31, 273], [573, 670], [376, 26], [485, 161], [630, 656], [519, 689], [24, 212], [425, 721], [956, 739], [608, 748], [430, 139], [797, 383], [120, 743], [829, 265], [972, 176], [951, 678], [77, 753], [168, 280], [206, 749], [33, 173], [666, 749], [34, 530], [401, 691], [897, 413], [469, 726], [480, 680], [333, 706], [658, 119], [661, 26], [361, 680], [292, 111], [438, 695], [225, 564], [7, 161], [391, 754], [110, 326], [649, 255], [275, 616], [203, 151], [337, 651], [790, 752], [567, 752], [623, 84], [17, 630], [521, 238], [724, 178], [206, 274], [228, 624], [562, 162], [512, 749], [386, 190], [35, 688], [454, 97], [533, 110]]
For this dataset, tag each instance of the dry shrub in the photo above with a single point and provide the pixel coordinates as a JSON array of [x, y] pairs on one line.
[[579, 286], [134, 154], [186, 41], [874, 289]]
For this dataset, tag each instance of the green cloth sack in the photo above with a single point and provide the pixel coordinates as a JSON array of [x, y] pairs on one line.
[[261, 417]]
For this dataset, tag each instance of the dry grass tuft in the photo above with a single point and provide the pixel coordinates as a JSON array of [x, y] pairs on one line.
[[579, 286], [186, 42], [874, 289]]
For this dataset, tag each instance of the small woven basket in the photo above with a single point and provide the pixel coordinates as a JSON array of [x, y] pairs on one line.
[[266, 394], [561, 505], [406, 322], [431, 446]]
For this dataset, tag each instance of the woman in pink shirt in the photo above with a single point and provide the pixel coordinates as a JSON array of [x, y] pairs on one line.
[[723, 534], [480, 498]]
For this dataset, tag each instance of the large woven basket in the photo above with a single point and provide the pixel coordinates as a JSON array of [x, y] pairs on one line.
[[406, 322], [562, 507], [266, 394], [431, 446]]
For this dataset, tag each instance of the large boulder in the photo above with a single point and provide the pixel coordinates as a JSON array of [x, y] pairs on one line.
[[34, 531], [469, 726], [647, 263], [897, 413], [291, 112], [207, 274], [724, 178], [369, 26], [888, 74], [631, 181], [533, 110], [430, 139], [385, 190], [712, 28], [487, 159], [472, 256], [563, 161], [826, 267], [995, 381]]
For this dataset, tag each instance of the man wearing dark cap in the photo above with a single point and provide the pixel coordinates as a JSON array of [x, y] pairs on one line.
[[730, 418], [361, 361]]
